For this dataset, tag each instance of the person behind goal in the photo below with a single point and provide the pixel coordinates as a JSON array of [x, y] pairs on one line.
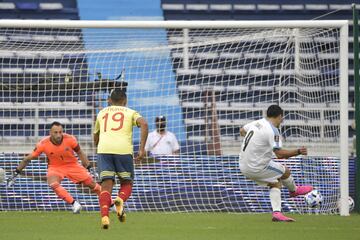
[[59, 148], [262, 139], [113, 138], [161, 141]]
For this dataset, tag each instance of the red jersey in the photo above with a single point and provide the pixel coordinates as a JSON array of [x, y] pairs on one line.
[[58, 154]]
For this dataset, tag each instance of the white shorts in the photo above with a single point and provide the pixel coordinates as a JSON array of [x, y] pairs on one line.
[[270, 174]]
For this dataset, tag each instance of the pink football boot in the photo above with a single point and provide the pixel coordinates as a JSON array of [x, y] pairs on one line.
[[279, 217], [301, 190]]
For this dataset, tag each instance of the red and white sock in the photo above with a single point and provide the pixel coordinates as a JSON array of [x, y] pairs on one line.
[[105, 203], [125, 190]]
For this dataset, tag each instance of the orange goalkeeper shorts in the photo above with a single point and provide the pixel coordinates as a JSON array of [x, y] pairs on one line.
[[74, 172]]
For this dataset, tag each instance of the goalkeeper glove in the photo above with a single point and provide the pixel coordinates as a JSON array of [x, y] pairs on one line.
[[11, 180], [93, 172]]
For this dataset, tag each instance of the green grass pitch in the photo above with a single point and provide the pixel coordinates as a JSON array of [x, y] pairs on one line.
[[173, 226]]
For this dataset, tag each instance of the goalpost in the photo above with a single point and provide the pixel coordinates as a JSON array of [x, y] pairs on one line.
[[208, 78]]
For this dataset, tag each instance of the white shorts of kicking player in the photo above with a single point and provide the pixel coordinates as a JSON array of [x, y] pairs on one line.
[[270, 174]]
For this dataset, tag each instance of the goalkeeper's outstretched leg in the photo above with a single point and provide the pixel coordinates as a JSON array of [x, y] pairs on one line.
[[90, 183]]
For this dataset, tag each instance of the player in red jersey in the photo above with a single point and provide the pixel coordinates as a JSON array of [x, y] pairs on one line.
[[60, 149]]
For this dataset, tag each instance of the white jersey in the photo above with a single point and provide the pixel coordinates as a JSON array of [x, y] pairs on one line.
[[158, 144], [258, 145]]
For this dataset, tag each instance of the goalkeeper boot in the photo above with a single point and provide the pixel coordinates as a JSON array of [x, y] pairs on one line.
[[105, 222], [76, 207], [301, 190], [279, 217], [120, 212]]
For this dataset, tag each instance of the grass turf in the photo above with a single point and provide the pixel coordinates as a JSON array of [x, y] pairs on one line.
[[199, 226]]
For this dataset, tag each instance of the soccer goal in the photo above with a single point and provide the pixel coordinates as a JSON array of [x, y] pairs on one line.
[[208, 78]]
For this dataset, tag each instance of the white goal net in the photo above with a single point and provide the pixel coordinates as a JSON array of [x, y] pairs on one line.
[[208, 79]]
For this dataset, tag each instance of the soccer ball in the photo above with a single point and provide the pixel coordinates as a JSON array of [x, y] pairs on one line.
[[2, 175], [351, 204], [313, 199]]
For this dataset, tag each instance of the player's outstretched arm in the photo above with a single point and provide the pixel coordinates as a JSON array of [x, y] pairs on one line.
[[86, 163], [96, 138], [83, 158], [283, 153], [26, 160], [96, 135], [144, 129]]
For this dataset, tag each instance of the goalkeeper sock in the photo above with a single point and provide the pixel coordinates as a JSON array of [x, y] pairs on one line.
[[89, 182], [105, 202], [125, 190], [61, 192], [275, 199], [289, 183]]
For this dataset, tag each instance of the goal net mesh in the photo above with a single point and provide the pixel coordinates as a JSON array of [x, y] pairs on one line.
[[207, 82]]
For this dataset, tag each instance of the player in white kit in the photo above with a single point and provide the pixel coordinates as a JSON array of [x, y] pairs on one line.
[[262, 139]]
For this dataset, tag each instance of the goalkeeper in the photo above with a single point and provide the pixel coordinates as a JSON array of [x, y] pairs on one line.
[[59, 148]]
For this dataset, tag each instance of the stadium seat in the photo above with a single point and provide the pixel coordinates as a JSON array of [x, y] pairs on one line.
[[62, 71], [220, 7], [35, 70], [82, 120], [339, 6], [292, 7], [11, 70], [196, 7], [244, 7], [50, 6], [43, 38], [172, 6], [7, 6], [316, 7], [268, 7], [67, 38]]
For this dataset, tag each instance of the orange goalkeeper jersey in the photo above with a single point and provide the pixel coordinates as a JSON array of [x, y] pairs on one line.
[[58, 154]]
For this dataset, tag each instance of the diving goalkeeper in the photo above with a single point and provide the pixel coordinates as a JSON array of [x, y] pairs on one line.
[[60, 149]]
